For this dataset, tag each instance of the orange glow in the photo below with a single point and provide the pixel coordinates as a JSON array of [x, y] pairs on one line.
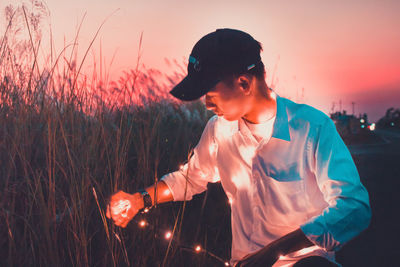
[[146, 210], [197, 248], [142, 223], [168, 235], [226, 263]]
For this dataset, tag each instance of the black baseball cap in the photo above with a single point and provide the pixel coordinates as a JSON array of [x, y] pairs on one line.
[[216, 55]]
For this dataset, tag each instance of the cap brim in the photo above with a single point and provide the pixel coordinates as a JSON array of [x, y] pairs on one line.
[[190, 89]]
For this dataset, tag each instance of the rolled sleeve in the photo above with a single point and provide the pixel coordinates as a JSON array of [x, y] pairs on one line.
[[193, 177], [348, 212]]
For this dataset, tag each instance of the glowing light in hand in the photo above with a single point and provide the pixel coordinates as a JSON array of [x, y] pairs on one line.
[[121, 207], [226, 263]]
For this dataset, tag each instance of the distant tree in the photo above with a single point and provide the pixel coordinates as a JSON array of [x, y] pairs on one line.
[[391, 119]]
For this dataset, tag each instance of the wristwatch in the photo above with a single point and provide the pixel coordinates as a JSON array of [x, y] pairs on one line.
[[146, 200]]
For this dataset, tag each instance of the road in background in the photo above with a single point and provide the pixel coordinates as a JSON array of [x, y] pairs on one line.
[[379, 168], [389, 146]]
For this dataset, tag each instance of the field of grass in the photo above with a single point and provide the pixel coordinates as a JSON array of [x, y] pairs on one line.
[[59, 165], [69, 141], [54, 157]]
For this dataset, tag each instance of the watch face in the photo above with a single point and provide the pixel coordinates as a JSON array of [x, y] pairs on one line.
[[146, 199]]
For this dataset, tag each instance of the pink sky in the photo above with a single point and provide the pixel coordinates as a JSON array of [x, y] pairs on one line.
[[335, 50]]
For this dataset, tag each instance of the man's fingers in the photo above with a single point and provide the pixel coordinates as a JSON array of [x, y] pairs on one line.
[[125, 224], [118, 221], [121, 223]]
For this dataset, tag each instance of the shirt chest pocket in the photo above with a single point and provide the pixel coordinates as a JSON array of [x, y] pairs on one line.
[[283, 193], [287, 173]]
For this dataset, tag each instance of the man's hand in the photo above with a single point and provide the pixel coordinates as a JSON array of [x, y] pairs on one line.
[[123, 207], [266, 256]]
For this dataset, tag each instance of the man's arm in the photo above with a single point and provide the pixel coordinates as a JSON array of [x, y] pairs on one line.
[[191, 179], [268, 255], [136, 202], [163, 193], [337, 177]]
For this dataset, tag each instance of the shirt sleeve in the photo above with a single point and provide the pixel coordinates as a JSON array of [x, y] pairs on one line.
[[192, 178], [348, 212]]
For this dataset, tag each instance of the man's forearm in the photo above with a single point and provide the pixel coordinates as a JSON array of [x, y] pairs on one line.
[[292, 242], [162, 191]]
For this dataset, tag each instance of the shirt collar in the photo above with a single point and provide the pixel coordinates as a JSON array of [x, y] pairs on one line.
[[281, 124]]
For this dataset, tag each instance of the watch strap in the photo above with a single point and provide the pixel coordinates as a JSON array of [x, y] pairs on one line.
[[146, 199]]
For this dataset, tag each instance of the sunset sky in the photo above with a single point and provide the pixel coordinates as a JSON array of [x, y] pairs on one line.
[[346, 51]]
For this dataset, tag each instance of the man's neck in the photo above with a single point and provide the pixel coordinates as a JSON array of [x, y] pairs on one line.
[[264, 105]]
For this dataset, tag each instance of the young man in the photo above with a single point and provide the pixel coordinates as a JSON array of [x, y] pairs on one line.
[[294, 190]]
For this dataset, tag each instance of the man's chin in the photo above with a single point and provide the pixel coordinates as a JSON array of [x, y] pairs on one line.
[[228, 118]]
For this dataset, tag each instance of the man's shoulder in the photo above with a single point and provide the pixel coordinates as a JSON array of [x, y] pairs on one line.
[[219, 127], [305, 113]]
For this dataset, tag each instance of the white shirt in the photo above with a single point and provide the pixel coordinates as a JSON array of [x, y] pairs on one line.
[[303, 176], [261, 130]]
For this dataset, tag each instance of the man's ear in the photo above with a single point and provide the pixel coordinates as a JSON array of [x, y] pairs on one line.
[[244, 82]]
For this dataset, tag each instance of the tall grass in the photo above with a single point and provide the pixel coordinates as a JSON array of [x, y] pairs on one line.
[[68, 142]]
